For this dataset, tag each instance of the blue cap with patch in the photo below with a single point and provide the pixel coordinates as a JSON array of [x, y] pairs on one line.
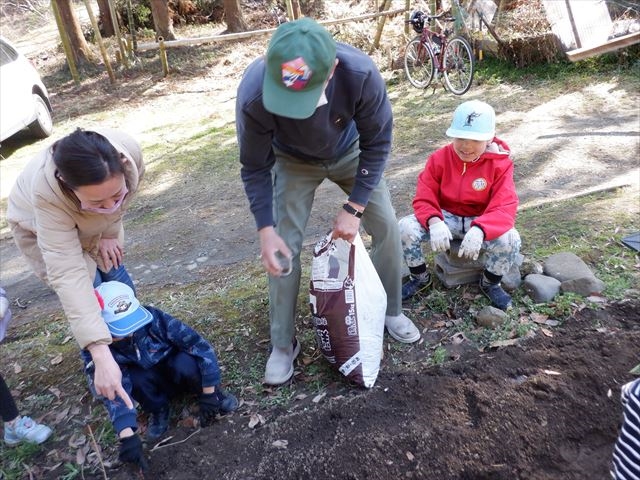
[[121, 310]]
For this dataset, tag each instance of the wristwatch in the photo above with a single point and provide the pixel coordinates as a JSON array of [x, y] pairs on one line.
[[352, 211]]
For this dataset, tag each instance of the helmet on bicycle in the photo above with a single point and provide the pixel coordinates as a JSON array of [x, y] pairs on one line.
[[474, 120], [417, 20]]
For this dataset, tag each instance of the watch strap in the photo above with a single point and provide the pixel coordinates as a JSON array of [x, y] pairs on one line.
[[349, 209]]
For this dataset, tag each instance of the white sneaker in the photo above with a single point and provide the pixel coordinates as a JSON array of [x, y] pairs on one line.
[[279, 367], [26, 430], [401, 328]]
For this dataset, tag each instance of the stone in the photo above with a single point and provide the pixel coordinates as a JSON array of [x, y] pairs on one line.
[[541, 288], [566, 266], [584, 286], [491, 317], [512, 279]]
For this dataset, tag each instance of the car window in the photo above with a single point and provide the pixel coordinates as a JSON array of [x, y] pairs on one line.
[[7, 54]]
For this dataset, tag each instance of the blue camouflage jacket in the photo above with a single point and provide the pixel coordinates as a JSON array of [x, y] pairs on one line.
[[148, 346]]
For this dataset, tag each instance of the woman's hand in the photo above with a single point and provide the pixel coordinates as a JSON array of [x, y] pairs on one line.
[[111, 252], [107, 378]]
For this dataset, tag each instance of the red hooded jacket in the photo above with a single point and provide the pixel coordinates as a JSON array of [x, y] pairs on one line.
[[483, 189]]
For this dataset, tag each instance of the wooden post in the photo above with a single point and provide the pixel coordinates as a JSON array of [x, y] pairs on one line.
[[407, 16], [381, 22], [103, 50], [132, 27], [116, 29], [289, 10], [65, 43], [163, 56]]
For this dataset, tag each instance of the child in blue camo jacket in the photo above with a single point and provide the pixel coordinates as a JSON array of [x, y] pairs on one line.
[[160, 357]]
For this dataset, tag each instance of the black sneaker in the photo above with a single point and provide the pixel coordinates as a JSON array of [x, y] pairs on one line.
[[158, 423], [495, 293], [415, 285]]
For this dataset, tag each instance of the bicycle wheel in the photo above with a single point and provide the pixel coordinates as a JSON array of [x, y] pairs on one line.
[[458, 65], [418, 63]]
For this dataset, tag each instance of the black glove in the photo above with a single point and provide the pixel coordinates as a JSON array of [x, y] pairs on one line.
[[209, 405], [131, 451]]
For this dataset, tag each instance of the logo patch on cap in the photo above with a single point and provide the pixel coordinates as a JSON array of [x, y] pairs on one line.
[[296, 74]]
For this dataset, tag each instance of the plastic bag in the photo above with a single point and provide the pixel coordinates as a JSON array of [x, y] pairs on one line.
[[348, 305]]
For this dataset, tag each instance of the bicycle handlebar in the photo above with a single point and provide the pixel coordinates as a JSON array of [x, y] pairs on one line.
[[436, 17]]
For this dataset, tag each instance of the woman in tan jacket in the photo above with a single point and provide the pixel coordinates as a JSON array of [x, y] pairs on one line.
[[65, 212]]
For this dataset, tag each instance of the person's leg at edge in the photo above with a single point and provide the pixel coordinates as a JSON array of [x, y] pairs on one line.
[[18, 428], [500, 255], [412, 236], [294, 185], [379, 220]]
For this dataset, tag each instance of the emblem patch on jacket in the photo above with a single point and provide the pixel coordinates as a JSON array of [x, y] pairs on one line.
[[479, 184]]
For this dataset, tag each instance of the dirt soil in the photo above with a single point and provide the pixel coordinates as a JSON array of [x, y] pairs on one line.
[[545, 409]]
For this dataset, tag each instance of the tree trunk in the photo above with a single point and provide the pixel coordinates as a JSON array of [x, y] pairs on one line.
[[104, 18], [162, 19], [79, 46], [297, 11], [233, 17]]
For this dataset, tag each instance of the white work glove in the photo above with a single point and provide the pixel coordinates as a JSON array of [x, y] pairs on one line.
[[439, 235], [471, 243]]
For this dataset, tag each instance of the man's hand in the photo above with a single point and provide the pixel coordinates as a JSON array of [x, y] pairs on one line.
[[346, 225], [439, 235], [270, 244], [111, 252], [471, 243], [107, 378], [131, 452]]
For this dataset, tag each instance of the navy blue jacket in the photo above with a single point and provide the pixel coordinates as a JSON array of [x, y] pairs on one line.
[[148, 346], [357, 109]]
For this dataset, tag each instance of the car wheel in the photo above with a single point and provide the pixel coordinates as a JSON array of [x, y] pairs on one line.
[[42, 126]]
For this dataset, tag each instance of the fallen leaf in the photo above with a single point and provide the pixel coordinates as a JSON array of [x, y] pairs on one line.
[[55, 391], [229, 348], [17, 368], [77, 440], [552, 323], [503, 343], [551, 372], [57, 359], [80, 457], [255, 420], [538, 317], [280, 443], [609, 393], [301, 396], [410, 456], [318, 398], [307, 360], [66, 339], [546, 331]]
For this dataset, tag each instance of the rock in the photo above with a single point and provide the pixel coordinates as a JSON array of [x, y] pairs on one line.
[[491, 317], [584, 286], [531, 266], [566, 266], [512, 279], [541, 288]]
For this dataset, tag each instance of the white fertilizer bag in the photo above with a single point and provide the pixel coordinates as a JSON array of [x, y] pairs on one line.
[[348, 305]]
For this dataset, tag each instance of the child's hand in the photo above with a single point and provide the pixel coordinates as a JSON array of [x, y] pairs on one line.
[[131, 451], [439, 235], [471, 244]]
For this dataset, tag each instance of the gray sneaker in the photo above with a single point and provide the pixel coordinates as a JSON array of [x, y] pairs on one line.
[[279, 367]]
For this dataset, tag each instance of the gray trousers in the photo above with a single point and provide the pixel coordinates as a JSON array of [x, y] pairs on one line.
[[294, 186], [499, 253]]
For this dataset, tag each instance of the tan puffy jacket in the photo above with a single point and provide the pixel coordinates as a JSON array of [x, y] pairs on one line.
[[60, 241]]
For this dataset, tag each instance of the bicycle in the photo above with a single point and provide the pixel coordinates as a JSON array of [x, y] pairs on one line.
[[434, 53]]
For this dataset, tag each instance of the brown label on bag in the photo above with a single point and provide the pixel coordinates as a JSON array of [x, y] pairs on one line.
[[333, 309]]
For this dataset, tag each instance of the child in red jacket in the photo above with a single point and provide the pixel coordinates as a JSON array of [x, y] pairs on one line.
[[465, 191]]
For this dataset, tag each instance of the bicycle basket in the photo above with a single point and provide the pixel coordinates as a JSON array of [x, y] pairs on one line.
[[417, 20]]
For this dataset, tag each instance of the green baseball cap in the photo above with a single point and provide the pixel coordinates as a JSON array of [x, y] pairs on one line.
[[300, 57]]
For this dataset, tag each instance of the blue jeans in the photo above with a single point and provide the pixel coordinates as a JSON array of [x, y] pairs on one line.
[[119, 274]]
